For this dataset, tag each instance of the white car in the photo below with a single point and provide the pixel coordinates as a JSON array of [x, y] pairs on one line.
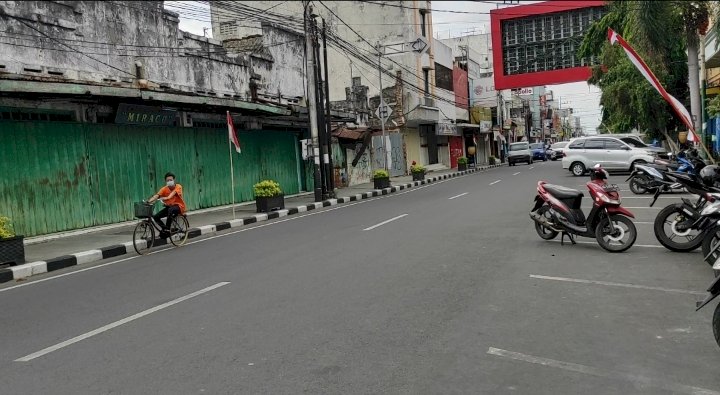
[[609, 152]]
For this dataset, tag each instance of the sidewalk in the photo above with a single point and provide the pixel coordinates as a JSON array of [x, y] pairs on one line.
[[56, 251]]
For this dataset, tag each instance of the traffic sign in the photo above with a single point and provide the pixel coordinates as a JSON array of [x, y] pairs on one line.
[[383, 111]]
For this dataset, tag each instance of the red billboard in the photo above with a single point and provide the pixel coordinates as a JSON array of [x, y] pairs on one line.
[[536, 44]]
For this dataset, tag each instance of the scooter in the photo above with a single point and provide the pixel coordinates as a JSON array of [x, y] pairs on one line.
[[557, 211], [646, 178], [714, 291]]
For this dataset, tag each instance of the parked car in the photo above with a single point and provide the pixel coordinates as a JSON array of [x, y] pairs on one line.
[[519, 152], [609, 152], [556, 150], [636, 142], [538, 151]]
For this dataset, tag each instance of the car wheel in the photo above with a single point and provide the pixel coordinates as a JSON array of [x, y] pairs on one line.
[[577, 169]]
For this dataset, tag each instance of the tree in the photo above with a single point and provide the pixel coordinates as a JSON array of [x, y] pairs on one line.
[[650, 26]]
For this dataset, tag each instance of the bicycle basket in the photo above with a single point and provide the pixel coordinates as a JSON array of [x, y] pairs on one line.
[[143, 210]]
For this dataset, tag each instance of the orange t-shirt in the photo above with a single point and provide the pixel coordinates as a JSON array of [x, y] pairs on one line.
[[175, 200]]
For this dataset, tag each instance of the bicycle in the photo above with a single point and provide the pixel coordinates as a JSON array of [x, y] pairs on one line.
[[144, 233]]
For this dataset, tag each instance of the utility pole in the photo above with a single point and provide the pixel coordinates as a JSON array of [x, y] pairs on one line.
[[320, 95], [311, 101], [382, 102], [331, 170]]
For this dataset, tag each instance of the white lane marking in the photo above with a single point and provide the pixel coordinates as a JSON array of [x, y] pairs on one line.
[[531, 167], [386, 222], [613, 284], [495, 182], [640, 381], [516, 173], [650, 198], [293, 218], [634, 245], [457, 196], [643, 223], [115, 324]]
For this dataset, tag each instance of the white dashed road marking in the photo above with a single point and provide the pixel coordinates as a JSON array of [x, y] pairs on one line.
[[386, 222], [516, 173], [495, 182], [640, 381], [457, 196], [613, 284]]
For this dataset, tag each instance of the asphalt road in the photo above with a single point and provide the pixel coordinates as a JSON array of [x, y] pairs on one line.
[[439, 289]]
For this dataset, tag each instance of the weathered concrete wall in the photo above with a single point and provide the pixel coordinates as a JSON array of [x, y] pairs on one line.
[[389, 25], [115, 44]]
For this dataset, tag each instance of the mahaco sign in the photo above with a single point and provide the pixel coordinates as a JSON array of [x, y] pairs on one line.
[[143, 115]]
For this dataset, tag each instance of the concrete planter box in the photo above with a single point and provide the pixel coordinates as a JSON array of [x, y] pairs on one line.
[[462, 166], [12, 251], [418, 176], [267, 204], [381, 183]]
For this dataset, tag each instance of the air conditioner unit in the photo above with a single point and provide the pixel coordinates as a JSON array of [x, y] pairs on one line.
[[428, 101]]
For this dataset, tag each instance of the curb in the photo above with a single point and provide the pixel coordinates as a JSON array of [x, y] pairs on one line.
[[34, 268]]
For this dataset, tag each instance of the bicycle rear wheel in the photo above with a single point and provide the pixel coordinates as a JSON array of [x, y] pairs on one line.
[[143, 237], [179, 230]]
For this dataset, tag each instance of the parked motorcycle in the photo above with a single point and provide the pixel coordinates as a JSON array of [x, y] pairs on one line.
[[681, 227], [557, 211], [714, 291], [644, 180]]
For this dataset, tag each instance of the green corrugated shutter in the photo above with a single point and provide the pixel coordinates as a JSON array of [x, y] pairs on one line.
[[60, 176]]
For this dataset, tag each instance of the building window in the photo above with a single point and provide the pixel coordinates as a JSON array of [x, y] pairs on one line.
[[443, 77], [423, 28], [426, 77]]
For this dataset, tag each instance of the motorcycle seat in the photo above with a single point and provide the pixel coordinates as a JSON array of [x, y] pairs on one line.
[[562, 192]]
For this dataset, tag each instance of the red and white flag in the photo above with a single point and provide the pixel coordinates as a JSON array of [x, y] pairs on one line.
[[231, 133], [640, 64]]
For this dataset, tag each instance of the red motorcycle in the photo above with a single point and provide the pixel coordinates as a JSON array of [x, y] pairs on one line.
[[557, 210]]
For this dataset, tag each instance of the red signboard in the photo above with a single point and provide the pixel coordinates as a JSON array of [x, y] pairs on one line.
[[560, 20], [460, 86]]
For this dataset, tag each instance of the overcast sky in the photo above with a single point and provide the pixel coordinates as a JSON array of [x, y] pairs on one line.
[[584, 99]]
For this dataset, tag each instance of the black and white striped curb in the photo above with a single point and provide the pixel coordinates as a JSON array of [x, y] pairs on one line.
[[61, 262]]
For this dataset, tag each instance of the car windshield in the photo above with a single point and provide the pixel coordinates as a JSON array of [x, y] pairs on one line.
[[518, 147], [559, 145], [633, 142], [536, 146]]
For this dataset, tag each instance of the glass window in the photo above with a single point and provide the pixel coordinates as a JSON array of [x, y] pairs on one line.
[[594, 144], [577, 144], [633, 142], [614, 145], [443, 77], [518, 147]]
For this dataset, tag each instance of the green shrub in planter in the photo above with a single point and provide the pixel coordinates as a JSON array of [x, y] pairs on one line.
[[12, 248], [381, 179], [268, 196], [492, 160], [462, 163], [417, 171]]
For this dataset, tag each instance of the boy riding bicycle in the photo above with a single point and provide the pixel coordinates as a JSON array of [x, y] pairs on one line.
[[171, 195]]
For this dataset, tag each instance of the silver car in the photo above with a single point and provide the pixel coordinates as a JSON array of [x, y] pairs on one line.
[[519, 152], [609, 152]]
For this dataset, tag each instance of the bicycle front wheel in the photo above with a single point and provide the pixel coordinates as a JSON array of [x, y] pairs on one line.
[[179, 230], [143, 237]]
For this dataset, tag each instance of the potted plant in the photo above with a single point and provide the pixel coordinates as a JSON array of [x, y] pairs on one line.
[[492, 161], [462, 163], [12, 249], [417, 171], [268, 196], [381, 179]]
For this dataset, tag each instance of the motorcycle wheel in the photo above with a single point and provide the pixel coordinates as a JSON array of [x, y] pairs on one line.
[[716, 324], [711, 246], [616, 235], [665, 232], [543, 232], [636, 187]]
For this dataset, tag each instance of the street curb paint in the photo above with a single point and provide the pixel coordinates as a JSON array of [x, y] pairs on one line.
[[97, 254]]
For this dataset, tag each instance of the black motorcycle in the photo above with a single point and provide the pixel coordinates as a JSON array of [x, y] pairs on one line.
[[680, 227], [651, 178], [714, 291]]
